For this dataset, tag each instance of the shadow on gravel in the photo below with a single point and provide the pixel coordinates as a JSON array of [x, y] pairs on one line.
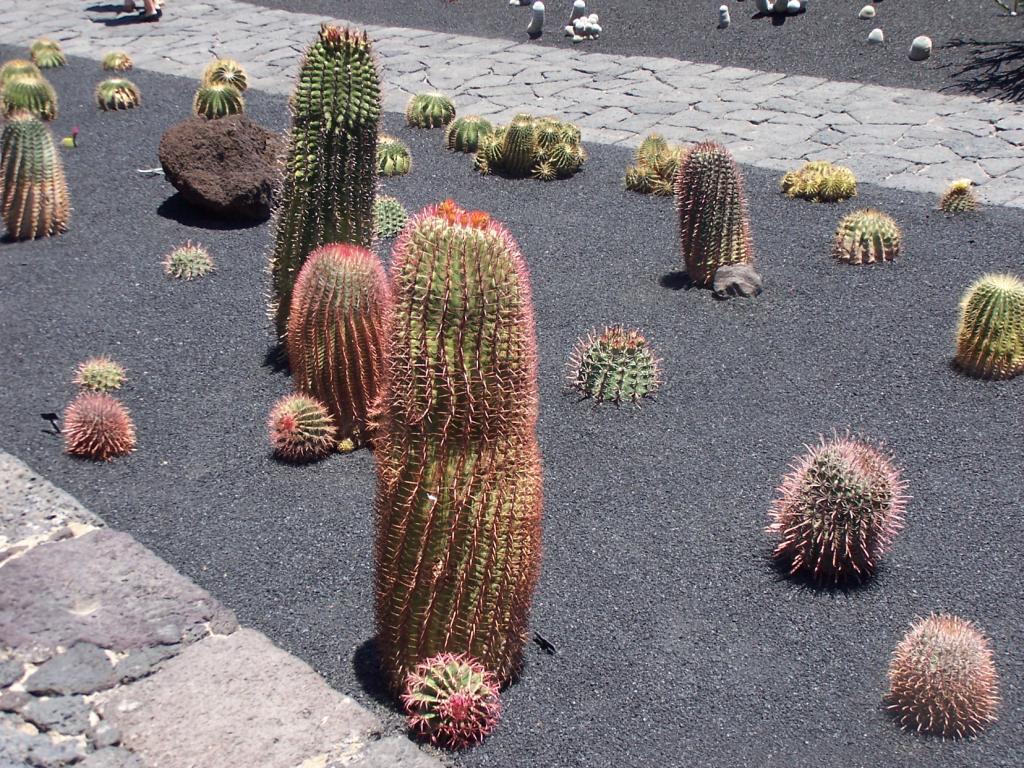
[[990, 69], [676, 281], [176, 208], [276, 359], [107, 8], [804, 583], [366, 664]]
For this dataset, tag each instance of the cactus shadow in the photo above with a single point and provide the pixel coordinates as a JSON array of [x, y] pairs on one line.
[[805, 583], [276, 359], [366, 665], [177, 208], [677, 280]]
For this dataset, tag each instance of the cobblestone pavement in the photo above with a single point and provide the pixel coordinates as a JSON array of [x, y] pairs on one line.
[[109, 658], [903, 138]]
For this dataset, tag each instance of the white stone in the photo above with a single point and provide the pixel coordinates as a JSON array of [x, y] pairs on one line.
[[723, 17], [867, 12], [921, 48], [793, 6], [536, 27], [876, 36], [579, 8]]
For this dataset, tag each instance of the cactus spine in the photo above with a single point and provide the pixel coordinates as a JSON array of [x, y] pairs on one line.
[[990, 340], [330, 177], [336, 334], [713, 223], [615, 365], [866, 237], [35, 194], [97, 426], [390, 216], [459, 479]]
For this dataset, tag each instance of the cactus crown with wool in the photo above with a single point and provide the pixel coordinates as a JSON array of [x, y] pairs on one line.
[[837, 511], [959, 198], [615, 365], [820, 182], [331, 173], [117, 93], [451, 701], [25, 93], [865, 237], [213, 100], [99, 374], [390, 216], [337, 335], [117, 61], [713, 224], [943, 679], [188, 261], [301, 429], [35, 194], [464, 133], [393, 156], [655, 167], [46, 54], [429, 110], [544, 147], [97, 426], [18, 68], [226, 72], [990, 339]]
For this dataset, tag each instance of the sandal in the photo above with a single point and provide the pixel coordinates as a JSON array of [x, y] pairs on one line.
[[152, 17]]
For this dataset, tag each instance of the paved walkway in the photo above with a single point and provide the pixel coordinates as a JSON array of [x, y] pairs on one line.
[[903, 138], [109, 658]]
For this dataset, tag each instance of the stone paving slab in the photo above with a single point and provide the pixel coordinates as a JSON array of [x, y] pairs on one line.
[[765, 118]]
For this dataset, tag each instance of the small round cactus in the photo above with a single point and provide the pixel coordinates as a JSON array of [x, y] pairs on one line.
[[943, 679], [820, 182], [866, 237], [615, 365], [188, 261], [46, 54], [99, 374], [18, 68], [393, 157], [959, 198], [117, 61], [97, 426], [301, 429], [218, 100], [25, 93], [389, 216], [990, 340], [117, 93], [464, 133], [451, 701], [837, 511], [226, 72], [429, 110], [654, 171]]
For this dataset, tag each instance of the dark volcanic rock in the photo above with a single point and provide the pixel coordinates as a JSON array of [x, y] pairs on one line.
[[65, 714], [84, 668], [736, 280], [11, 671], [228, 166]]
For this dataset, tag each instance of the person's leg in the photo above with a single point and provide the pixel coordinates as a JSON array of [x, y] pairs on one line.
[[150, 9]]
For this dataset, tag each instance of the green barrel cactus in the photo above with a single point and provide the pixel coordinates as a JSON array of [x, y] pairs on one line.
[[615, 365], [331, 173], [18, 68], [46, 54], [26, 93], [429, 110], [389, 216], [820, 182], [35, 193], [117, 93], [188, 261], [464, 133], [393, 156], [99, 374], [544, 148], [865, 237], [117, 61], [452, 701], [959, 197], [215, 100], [655, 166], [336, 335], [713, 223], [459, 477], [301, 429], [226, 72], [990, 340]]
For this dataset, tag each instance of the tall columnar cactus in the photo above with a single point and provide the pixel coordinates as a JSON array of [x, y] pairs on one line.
[[336, 335], [865, 237], [990, 340], [18, 68], [330, 177], [213, 100], [35, 194], [713, 224], [29, 94], [459, 478], [226, 72]]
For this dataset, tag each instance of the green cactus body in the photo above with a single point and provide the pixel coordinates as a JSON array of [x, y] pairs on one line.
[[990, 340], [26, 93], [215, 100], [35, 193], [188, 261], [393, 157], [336, 335], [713, 223], [464, 133], [330, 178], [99, 374], [117, 93], [959, 198], [820, 182], [614, 366], [226, 72], [46, 54], [654, 171], [389, 216], [301, 429], [866, 237], [459, 479], [520, 146], [429, 110], [117, 61], [544, 148], [18, 68]]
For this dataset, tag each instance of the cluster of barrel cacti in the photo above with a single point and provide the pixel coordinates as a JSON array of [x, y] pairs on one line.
[[542, 147], [655, 165], [865, 237], [821, 182], [615, 365], [220, 90], [35, 199]]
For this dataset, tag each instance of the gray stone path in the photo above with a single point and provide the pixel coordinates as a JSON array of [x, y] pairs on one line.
[[109, 658], [903, 138]]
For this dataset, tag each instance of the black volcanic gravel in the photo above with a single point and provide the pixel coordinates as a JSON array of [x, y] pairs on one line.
[[678, 644], [978, 48]]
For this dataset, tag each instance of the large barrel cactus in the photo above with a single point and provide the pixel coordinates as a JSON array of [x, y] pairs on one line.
[[459, 477], [336, 334], [35, 194], [990, 339], [330, 177]]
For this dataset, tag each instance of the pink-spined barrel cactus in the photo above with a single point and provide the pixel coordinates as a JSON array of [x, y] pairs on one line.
[[97, 426], [301, 429]]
